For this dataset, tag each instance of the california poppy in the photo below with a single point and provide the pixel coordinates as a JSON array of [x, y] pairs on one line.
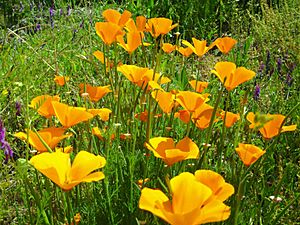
[[103, 113], [138, 26], [69, 116], [61, 80], [201, 85], [141, 76], [168, 48], [248, 153], [143, 116], [159, 26], [133, 41], [43, 105], [67, 149], [170, 153], [202, 116], [190, 100], [195, 199], [186, 52], [227, 71], [199, 47], [57, 167], [108, 32], [115, 17], [230, 119], [95, 93], [221, 190], [225, 44], [272, 127], [100, 56], [101, 133], [51, 136], [166, 100]]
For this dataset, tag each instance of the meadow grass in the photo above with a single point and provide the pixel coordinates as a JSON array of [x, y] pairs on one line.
[[30, 58]]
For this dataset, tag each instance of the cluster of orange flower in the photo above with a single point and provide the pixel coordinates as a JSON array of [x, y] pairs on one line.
[[196, 198]]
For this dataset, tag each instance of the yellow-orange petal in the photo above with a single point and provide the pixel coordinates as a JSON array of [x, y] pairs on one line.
[[248, 153], [54, 165], [85, 163], [230, 119], [187, 145], [168, 48], [61, 80], [150, 199], [216, 183], [225, 44], [198, 86]]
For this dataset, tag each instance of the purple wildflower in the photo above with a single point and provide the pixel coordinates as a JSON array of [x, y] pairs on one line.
[[4, 144], [18, 108], [256, 92], [279, 65], [37, 28], [51, 12], [61, 12]]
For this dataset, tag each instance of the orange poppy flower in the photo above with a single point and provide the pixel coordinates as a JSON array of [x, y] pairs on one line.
[[57, 167], [139, 26], [141, 182], [269, 125], [170, 153], [196, 199], [227, 71], [95, 93], [43, 105], [165, 100], [141, 76], [69, 116], [190, 100], [199, 47], [225, 44], [249, 153], [183, 115], [100, 56], [51, 136], [159, 26], [103, 113], [186, 52], [115, 17], [143, 116], [168, 48], [96, 131], [67, 149], [221, 190], [201, 117], [201, 85], [108, 32], [231, 118], [133, 41], [61, 80]]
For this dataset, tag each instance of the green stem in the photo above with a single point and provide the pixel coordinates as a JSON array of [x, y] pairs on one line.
[[209, 132]]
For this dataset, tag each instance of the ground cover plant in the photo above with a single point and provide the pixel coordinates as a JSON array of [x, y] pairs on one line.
[[112, 114]]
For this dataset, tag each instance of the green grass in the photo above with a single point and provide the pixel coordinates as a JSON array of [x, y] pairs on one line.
[[29, 60]]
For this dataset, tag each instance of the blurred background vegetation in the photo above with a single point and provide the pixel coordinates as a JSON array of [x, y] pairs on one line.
[[273, 24]]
